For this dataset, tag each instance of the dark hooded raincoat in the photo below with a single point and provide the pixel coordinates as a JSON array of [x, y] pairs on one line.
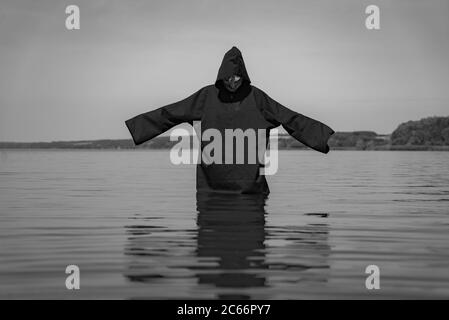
[[246, 108]]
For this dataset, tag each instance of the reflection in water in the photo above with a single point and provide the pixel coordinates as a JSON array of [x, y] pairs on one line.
[[233, 253], [231, 228], [133, 237]]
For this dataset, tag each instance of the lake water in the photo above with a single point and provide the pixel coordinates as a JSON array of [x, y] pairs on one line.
[[133, 224]]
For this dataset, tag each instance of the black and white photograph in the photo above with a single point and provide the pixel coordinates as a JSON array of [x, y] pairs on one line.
[[240, 151]]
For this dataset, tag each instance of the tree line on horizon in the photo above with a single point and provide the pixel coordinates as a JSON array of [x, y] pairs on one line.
[[426, 134]]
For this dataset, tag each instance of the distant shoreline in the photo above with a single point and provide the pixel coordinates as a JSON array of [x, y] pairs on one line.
[[427, 134], [350, 141], [437, 149]]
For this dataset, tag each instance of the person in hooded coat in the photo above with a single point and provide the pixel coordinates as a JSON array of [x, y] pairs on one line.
[[231, 103]]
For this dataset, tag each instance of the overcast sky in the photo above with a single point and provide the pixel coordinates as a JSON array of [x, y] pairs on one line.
[[315, 57]]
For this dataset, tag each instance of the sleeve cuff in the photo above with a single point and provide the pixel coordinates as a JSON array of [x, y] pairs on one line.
[[329, 132], [130, 125]]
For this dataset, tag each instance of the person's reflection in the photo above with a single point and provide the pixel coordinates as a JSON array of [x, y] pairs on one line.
[[231, 229], [235, 252]]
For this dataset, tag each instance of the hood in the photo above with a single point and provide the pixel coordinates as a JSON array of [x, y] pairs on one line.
[[233, 64]]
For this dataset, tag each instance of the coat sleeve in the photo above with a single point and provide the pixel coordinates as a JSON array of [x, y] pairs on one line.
[[308, 131], [148, 125]]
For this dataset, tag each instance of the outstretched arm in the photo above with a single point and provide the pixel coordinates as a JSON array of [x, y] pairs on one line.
[[310, 132], [151, 124]]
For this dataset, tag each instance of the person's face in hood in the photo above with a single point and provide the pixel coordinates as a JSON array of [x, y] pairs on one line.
[[233, 83]]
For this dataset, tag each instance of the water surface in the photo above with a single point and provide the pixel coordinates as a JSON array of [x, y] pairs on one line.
[[136, 228]]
